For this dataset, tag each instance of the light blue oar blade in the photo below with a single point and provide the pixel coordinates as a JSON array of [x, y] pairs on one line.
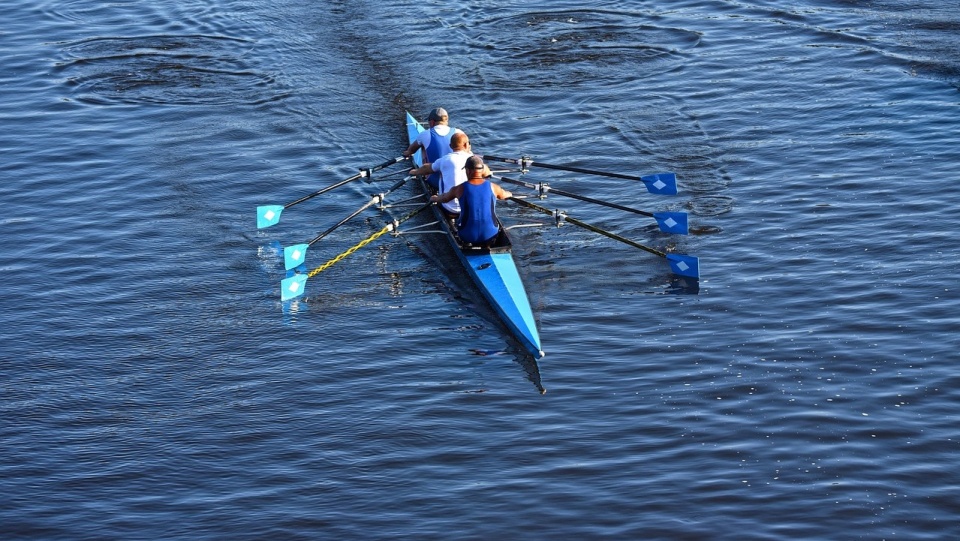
[[293, 256], [684, 265], [292, 287], [661, 183], [268, 215], [672, 222]]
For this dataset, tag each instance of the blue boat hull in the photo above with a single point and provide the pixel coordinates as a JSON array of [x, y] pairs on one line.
[[493, 270]]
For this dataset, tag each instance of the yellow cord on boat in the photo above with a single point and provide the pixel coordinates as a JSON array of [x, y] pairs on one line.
[[386, 229], [362, 243]]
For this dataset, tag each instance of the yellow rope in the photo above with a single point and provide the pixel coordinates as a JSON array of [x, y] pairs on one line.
[[337, 259], [386, 229]]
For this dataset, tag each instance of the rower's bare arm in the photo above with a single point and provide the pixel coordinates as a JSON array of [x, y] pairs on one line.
[[424, 169], [453, 193], [414, 146]]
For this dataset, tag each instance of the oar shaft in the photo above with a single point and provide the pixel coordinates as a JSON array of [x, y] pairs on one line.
[[293, 286], [373, 201], [545, 189], [362, 174], [588, 227], [614, 236], [524, 162], [392, 226], [368, 204], [324, 190]]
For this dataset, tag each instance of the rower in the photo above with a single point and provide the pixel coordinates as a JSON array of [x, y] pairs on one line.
[[435, 141], [450, 169], [478, 223]]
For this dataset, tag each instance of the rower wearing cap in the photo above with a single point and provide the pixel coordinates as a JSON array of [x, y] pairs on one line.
[[478, 196], [435, 141]]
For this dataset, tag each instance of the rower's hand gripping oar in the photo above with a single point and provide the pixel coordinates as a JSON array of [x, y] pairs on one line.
[[293, 256], [682, 265], [657, 183], [268, 215], [669, 222], [292, 287]]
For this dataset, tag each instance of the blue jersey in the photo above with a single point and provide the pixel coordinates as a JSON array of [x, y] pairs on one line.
[[478, 220], [439, 147]]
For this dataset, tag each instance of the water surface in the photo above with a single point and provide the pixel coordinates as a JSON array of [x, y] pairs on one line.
[[154, 386]]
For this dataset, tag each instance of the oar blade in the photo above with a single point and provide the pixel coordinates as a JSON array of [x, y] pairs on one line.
[[293, 256], [684, 265], [672, 222], [268, 215], [661, 183], [292, 287]]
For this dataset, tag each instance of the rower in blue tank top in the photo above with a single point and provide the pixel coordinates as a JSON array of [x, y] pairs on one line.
[[478, 196], [434, 141]]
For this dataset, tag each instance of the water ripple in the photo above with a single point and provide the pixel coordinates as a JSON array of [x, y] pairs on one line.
[[575, 46], [164, 70]]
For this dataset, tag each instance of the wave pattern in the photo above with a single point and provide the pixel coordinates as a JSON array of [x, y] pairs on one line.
[[165, 70], [578, 46]]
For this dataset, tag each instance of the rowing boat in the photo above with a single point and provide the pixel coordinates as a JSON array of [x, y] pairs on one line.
[[492, 269]]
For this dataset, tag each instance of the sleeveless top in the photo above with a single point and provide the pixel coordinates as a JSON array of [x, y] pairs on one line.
[[452, 174], [478, 219], [439, 147]]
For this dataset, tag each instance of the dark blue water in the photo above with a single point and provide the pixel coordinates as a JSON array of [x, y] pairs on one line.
[[154, 387]]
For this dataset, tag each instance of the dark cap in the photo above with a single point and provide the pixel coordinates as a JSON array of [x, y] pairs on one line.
[[438, 114], [474, 162]]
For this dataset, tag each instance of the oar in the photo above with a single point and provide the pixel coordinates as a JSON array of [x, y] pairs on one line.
[[268, 215], [292, 287], [669, 222], [682, 265], [294, 255], [658, 183]]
